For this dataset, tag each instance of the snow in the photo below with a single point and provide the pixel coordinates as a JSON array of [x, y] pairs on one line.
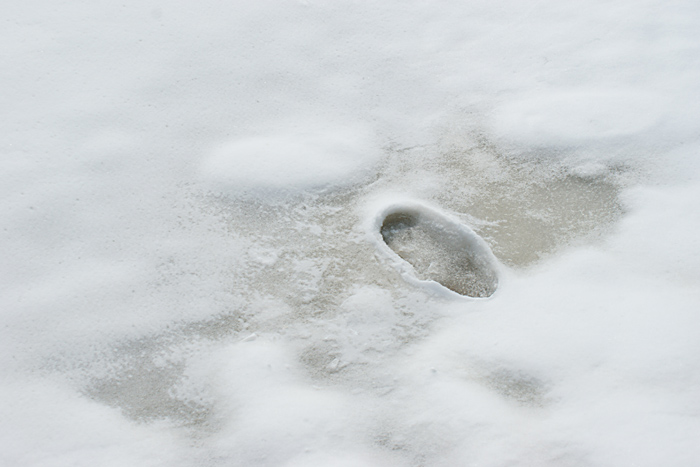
[[192, 268], [293, 160], [574, 116]]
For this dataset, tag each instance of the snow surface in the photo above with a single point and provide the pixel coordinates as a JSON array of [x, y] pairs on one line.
[[313, 156], [187, 278]]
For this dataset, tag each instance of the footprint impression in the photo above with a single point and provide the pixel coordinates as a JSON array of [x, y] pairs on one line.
[[440, 250]]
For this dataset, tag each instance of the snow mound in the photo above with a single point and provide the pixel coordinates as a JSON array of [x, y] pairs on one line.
[[571, 116], [291, 160]]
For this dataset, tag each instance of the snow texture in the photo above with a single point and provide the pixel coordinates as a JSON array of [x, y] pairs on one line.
[[193, 271]]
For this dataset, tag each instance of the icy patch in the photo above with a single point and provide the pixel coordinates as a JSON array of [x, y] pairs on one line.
[[439, 249], [292, 159]]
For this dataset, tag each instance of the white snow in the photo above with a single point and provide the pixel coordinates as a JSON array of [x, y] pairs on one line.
[[300, 158], [187, 277], [574, 116]]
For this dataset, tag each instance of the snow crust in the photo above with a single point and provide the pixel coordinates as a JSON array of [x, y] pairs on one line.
[[189, 271]]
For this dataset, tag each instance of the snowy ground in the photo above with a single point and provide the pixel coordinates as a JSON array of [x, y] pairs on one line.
[[191, 274]]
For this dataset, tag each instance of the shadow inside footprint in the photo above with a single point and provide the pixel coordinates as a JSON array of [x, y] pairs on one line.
[[517, 386], [441, 250]]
